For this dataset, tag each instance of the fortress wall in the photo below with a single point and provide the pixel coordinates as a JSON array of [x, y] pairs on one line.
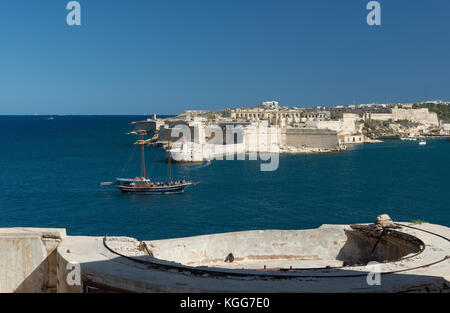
[[381, 116], [310, 138], [148, 126], [423, 116], [347, 125], [191, 131], [262, 138], [331, 125], [28, 259], [165, 133], [416, 115]]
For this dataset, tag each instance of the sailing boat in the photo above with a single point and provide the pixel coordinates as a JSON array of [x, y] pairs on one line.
[[144, 185]]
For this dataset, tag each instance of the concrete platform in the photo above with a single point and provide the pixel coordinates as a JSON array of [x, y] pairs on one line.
[[332, 258]]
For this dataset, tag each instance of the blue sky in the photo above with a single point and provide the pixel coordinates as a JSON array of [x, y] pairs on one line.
[[165, 56]]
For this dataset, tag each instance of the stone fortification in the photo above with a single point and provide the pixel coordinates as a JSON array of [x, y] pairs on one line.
[[422, 116], [310, 138]]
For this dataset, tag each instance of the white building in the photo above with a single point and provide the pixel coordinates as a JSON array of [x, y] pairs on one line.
[[273, 105]]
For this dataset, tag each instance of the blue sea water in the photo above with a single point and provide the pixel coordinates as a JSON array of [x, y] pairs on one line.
[[50, 174]]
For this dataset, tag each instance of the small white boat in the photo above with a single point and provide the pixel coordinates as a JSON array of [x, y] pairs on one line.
[[422, 142]]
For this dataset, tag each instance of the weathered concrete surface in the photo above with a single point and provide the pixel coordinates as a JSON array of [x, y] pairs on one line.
[[272, 247], [329, 245], [101, 266], [331, 258], [28, 259]]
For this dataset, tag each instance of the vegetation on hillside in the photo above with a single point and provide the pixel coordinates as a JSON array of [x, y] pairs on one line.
[[442, 110]]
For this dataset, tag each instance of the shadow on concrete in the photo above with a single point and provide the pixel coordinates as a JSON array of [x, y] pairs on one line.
[[365, 245], [120, 274], [43, 277]]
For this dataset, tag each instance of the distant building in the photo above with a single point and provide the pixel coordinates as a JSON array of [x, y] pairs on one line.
[[315, 115], [273, 105], [282, 116]]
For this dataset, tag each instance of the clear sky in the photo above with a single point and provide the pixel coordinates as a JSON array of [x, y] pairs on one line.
[[165, 56]]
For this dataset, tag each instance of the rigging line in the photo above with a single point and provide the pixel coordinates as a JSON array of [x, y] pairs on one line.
[[127, 164], [151, 156], [153, 151]]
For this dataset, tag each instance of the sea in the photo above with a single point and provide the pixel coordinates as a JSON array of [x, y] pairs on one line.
[[51, 170]]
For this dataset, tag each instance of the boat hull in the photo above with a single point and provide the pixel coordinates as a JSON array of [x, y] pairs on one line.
[[154, 190]]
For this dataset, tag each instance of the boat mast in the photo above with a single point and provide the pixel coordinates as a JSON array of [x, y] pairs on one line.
[[143, 157], [169, 159]]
